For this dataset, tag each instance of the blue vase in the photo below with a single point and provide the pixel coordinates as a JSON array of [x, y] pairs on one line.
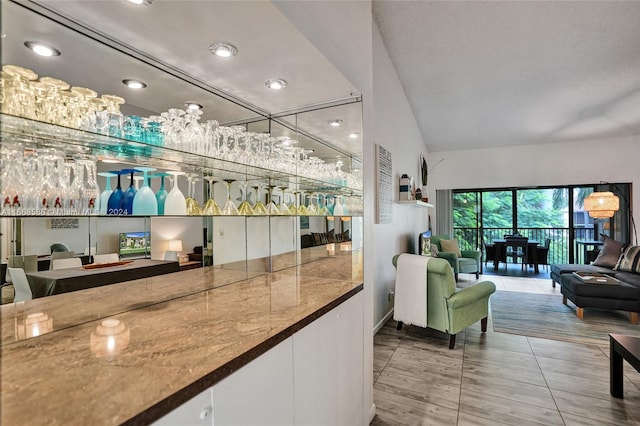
[[145, 202], [126, 203], [113, 205]]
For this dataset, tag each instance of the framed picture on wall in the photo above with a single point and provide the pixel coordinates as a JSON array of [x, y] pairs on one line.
[[304, 222]]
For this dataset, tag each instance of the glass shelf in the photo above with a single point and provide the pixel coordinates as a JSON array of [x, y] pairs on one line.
[[35, 134], [417, 203]]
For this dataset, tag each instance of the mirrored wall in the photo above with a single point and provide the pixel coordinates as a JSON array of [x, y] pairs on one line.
[[292, 162]]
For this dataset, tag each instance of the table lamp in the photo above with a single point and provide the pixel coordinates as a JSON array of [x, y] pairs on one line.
[[172, 253]]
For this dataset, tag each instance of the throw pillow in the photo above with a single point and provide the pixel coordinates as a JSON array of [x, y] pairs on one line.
[[434, 250], [452, 246], [610, 253], [630, 260], [331, 238]]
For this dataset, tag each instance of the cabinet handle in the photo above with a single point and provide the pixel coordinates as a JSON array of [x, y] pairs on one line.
[[206, 412]]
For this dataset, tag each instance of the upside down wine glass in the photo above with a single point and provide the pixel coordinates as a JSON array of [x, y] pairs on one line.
[[229, 208], [245, 207], [126, 204], [259, 207], [175, 204], [211, 208], [104, 196], [161, 195], [145, 202], [193, 207], [113, 205]]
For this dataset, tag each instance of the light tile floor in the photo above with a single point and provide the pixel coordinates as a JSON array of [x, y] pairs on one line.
[[496, 378]]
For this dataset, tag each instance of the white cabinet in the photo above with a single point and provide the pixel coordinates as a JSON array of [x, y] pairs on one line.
[[260, 393], [314, 377], [198, 411]]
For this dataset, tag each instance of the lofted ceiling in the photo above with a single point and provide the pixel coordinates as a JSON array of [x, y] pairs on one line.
[[170, 43], [482, 74]]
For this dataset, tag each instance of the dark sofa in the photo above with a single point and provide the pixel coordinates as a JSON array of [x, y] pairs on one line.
[[321, 238], [615, 260]]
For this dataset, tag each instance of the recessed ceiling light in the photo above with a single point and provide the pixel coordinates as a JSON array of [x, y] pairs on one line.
[[354, 135], [139, 2], [223, 50], [193, 105], [335, 123], [276, 83], [134, 84], [42, 49]]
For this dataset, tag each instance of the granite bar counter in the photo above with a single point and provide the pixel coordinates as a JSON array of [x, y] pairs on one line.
[[131, 352]]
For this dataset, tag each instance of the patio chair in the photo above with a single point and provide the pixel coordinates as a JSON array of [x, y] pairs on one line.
[[516, 248]]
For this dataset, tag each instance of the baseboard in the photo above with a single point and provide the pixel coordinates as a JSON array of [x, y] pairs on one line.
[[382, 321], [372, 412]]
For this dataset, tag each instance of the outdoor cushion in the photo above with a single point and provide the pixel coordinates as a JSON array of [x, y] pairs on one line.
[[610, 253]]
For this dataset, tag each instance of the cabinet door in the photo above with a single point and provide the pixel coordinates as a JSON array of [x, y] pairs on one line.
[[195, 412], [350, 355], [314, 372], [260, 393]]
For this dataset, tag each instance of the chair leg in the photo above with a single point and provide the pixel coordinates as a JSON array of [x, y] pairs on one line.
[[399, 326], [456, 276], [483, 324], [477, 275], [452, 341]]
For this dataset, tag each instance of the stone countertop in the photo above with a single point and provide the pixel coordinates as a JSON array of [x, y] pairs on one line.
[[132, 352]]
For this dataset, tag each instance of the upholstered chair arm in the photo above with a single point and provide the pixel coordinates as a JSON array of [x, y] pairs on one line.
[[450, 257], [472, 254], [471, 294]]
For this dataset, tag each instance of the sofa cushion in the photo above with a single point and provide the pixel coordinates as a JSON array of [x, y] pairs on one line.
[[629, 260], [606, 291], [629, 278], [609, 254], [451, 246]]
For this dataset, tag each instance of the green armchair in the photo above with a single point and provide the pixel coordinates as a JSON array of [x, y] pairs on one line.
[[450, 309], [469, 262]]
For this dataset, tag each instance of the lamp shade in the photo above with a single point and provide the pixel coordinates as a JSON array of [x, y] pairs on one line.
[[601, 205], [175, 245]]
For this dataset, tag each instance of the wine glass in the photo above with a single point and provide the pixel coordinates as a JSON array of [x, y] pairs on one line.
[[211, 207], [259, 207], [161, 195], [104, 196], [272, 208], [193, 207], [145, 202], [175, 204], [245, 207], [113, 205], [126, 204], [302, 208], [284, 209], [229, 208]]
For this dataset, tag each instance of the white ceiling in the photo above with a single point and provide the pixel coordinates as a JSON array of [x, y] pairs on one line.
[[489, 74], [177, 35]]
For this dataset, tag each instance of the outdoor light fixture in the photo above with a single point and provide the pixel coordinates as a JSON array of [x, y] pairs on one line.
[[42, 49], [223, 50], [134, 84], [601, 205]]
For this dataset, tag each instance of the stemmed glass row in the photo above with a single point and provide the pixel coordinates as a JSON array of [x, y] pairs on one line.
[[47, 182], [55, 101]]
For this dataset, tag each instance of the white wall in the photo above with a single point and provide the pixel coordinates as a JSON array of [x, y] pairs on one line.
[[581, 162], [397, 131], [164, 229]]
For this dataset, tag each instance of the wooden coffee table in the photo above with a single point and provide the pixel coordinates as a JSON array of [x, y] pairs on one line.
[[621, 347]]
